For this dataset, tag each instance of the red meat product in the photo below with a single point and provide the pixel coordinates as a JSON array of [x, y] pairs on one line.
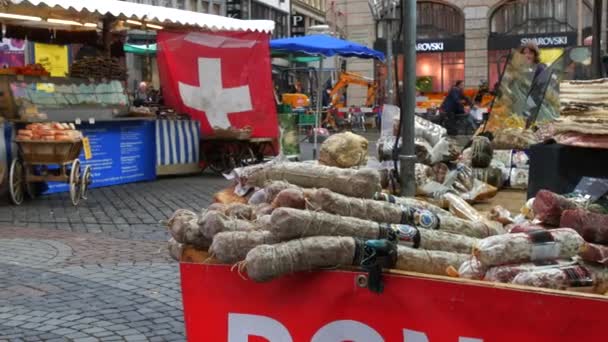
[[593, 227], [548, 207], [525, 228], [594, 253]]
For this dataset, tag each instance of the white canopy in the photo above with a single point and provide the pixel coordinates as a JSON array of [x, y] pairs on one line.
[[66, 9]]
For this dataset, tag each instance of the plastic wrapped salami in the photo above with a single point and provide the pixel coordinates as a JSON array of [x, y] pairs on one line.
[[593, 227], [472, 269], [548, 207], [559, 278], [595, 253], [506, 273], [525, 228], [563, 243]]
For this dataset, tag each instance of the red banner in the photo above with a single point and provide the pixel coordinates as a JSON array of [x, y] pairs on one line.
[[329, 307], [222, 79]]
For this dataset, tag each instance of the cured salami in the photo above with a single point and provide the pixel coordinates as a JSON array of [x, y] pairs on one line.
[[232, 247], [560, 278], [548, 207], [393, 213], [563, 243], [506, 273], [592, 226], [287, 223], [362, 183]]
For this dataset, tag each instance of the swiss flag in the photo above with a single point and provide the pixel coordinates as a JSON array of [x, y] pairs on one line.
[[222, 79]]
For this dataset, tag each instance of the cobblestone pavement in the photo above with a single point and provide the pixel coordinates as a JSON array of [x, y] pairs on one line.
[[130, 211], [98, 272]]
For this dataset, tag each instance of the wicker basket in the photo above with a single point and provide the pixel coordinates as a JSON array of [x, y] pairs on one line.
[[49, 152]]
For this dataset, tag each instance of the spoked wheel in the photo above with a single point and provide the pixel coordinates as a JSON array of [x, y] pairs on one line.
[[16, 182], [74, 181], [85, 182], [247, 156]]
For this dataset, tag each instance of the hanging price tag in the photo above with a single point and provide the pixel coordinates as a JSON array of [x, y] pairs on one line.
[[87, 148]]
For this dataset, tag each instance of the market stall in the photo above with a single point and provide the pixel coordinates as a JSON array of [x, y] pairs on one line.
[[336, 238], [323, 46], [93, 95]]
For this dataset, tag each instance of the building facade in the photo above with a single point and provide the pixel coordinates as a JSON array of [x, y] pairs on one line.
[[306, 14], [275, 10], [470, 39]]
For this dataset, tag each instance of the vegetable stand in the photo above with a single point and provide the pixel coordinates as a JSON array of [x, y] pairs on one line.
[[47, 161], [219, 306]]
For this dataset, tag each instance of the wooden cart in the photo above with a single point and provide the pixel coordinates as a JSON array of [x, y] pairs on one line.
[[225, 154], [48, 161]]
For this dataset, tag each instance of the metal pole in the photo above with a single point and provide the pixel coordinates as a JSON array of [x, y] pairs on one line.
[[596, 63], [407, 158], [319, 100], [389, 63], [579, 12]]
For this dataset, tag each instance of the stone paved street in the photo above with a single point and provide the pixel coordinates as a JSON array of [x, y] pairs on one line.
[[99, 272], [130, 211]]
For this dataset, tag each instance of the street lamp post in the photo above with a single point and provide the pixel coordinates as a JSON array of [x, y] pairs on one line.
[[407, 158], [383, 12]]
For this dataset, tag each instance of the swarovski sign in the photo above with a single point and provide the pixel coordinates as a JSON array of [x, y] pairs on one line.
[[546, 41], [434, 46]]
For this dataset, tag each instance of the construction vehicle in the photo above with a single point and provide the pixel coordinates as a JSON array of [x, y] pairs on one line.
[[346, 79]]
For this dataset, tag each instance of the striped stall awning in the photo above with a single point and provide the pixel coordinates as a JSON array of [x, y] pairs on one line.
[[177, 143]]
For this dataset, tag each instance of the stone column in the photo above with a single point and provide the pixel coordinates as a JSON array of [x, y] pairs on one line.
[[476, 32]]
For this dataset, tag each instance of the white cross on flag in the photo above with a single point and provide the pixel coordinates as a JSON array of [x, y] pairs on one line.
[[221, 79]]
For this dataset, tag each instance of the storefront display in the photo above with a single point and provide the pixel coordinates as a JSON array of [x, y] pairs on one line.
[[551, 25]]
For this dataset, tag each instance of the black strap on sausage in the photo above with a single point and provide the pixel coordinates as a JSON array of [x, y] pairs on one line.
[[578, 276], [540, 236]]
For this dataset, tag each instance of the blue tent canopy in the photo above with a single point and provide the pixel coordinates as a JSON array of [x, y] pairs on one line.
[[324, 45]]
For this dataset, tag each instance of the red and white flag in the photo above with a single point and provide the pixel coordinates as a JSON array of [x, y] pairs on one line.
[[222, 79]]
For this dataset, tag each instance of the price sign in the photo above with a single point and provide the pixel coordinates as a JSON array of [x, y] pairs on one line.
[[87, 148]]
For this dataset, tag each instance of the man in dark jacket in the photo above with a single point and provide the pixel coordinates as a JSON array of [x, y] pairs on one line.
[[452, 103]]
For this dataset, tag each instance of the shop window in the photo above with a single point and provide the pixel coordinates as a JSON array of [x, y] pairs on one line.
[[443, 68], [538, 16], [437, 20]]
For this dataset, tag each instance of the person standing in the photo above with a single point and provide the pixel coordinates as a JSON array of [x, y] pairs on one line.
[[532, 55]]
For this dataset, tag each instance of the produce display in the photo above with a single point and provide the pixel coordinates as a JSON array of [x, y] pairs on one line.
[[53, 131]]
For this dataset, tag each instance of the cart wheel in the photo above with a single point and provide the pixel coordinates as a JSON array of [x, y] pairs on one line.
[[74, 181], [247, 157], [16, 180], [85, 181]]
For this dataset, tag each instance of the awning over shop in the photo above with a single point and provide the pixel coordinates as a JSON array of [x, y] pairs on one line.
[[140, 49], [96, 9]]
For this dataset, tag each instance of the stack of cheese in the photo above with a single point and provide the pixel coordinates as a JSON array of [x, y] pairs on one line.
[[49, 132]]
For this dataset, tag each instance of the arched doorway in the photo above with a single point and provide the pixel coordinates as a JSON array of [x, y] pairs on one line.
[[551, 24]]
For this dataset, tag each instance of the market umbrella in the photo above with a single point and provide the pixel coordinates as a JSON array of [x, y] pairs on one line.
[[322, 46]]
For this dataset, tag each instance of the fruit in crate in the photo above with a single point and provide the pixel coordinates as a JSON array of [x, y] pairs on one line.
[[49, 131]]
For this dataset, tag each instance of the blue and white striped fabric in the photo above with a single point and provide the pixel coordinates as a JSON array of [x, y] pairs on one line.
[[177, 142]]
